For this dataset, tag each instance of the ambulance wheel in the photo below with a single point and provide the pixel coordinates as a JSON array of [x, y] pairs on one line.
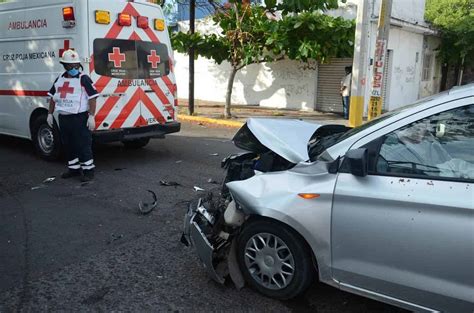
[[136, 143], [46, 140]]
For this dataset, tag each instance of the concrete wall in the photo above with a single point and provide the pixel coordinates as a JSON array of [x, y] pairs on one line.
[[406, 65], [283, 84], [286, 84]]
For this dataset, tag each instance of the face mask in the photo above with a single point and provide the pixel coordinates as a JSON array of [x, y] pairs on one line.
[[73, 72]]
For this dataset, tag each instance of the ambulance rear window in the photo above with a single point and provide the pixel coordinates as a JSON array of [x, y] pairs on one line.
[[130, 59]]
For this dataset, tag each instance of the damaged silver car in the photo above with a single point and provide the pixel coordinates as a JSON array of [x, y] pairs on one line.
[[385, 210]]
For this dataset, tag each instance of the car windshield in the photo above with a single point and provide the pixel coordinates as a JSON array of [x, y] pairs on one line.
[[328, 141]]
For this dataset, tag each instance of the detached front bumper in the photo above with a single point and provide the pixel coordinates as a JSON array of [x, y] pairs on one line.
[[197, 232], [123, 134]]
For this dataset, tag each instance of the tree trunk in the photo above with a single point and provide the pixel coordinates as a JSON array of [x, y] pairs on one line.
[[461, 72], [444, 77], [228, 95]]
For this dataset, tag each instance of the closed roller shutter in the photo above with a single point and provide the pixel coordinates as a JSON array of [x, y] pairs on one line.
[[387, 72], [329, 81]]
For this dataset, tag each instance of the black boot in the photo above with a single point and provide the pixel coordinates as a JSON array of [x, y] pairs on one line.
[[71, 173], [87, 175]]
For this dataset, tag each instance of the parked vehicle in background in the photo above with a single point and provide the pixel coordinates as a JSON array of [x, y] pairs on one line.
[[128, 56], [385, 210]]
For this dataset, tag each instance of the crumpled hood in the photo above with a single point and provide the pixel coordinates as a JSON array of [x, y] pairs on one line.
[[286, 137]]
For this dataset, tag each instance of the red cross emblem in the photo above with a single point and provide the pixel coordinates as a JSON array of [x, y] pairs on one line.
[[117, 57], [64, 90], [153, 59], [66, 47]]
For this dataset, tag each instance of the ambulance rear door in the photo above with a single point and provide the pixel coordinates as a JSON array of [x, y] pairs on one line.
[[130, 65]]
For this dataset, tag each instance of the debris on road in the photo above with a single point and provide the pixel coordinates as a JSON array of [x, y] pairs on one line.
[[45, 181], [214, 154], [169, 183], [49, 179], [113, 238], [120, 168], [96, 296], [146, 208], [212, 181], [179, 161], [196, 188]]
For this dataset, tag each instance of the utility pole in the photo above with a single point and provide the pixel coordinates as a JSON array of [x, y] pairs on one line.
[[376, 96], [359, 66], [192, 19]]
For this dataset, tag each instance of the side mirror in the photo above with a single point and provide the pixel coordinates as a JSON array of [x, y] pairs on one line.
[[358, 161]]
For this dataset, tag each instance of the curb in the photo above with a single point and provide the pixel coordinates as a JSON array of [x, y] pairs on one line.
[[210, 121]]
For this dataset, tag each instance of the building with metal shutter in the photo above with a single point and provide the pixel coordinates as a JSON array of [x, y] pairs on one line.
[[329, 82]]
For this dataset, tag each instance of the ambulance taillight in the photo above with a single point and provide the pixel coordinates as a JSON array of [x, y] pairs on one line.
[[69, 20], [124, 19], [142, 22]]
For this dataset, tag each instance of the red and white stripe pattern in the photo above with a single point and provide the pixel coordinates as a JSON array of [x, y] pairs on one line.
[[136, 107]]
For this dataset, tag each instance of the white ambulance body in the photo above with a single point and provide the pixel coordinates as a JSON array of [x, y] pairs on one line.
[[125, 49]]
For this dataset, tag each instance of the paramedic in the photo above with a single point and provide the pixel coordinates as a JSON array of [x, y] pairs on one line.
[[74, 98]]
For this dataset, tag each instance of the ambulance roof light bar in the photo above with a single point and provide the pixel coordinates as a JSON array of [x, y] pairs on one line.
[[69, 20]]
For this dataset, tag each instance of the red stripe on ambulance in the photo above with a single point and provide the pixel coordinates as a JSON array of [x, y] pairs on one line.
[[23, 93]]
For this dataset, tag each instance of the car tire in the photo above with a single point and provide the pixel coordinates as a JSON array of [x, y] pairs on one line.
[[136, 143], [261, 247], [47, 140]]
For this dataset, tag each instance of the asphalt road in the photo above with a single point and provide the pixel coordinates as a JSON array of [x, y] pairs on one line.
[[71, 247]]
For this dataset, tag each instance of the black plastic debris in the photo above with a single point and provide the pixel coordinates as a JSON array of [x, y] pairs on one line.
[[114, 237], [145, 207], [169, 183]]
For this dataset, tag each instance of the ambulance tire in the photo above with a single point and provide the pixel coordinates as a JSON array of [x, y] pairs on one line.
[[136, 143], [47, 141]]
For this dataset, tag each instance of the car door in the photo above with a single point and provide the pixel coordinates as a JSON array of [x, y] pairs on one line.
[[406, 230]]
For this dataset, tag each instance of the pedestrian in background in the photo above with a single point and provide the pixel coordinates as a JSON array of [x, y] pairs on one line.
[[346, 91], [73, 96]]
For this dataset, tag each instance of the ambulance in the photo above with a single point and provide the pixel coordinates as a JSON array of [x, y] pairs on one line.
[[124, 47]]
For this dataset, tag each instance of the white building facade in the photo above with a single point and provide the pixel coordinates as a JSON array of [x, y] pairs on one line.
[[412, 67]]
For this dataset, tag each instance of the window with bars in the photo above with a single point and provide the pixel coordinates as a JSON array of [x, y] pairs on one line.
[[427, 68]]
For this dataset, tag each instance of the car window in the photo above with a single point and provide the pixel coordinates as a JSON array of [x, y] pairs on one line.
[[130, 59], [440, 146]]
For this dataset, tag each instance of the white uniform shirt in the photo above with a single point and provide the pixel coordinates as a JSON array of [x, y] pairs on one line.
[[346, 82]]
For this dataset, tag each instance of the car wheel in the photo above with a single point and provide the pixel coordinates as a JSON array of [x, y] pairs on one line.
[[274, 259], [46, 140], [136, 143]]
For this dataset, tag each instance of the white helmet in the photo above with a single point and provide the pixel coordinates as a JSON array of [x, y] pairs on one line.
[[70, 56]]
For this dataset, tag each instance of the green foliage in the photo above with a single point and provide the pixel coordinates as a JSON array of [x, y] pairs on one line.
[[296, 6], [250, 36], [312, 35], [455, 19], [253, 34]]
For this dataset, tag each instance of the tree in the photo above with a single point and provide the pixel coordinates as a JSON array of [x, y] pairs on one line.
[[455, 19], [252, 34]]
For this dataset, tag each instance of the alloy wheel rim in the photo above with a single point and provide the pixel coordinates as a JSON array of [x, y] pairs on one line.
[[269, 261], [46, 139]]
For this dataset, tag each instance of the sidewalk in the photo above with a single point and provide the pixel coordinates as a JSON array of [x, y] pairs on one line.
[[213, 113]]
